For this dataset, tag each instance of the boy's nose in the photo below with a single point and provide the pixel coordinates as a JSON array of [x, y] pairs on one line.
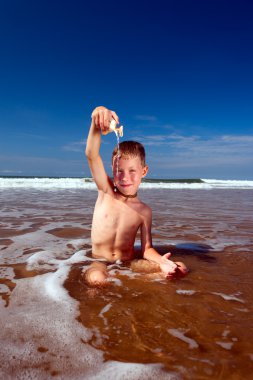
[[124, 176]]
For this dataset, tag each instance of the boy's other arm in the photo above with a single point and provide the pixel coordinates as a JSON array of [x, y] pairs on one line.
[[149, 253], [100, 121]]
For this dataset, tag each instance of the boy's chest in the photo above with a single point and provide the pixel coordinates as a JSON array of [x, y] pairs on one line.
[[117, 214]]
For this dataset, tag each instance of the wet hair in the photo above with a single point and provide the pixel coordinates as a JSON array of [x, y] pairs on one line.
[[132, 149]]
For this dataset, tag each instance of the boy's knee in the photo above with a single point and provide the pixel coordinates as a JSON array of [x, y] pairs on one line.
[[96, 275]]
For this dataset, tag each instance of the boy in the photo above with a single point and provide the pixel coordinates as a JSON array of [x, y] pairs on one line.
[[119, 213]]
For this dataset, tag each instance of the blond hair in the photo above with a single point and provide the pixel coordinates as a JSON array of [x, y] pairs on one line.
[[132, 149]]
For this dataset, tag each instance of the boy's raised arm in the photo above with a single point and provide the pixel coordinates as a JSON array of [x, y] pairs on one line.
[[100, 121]]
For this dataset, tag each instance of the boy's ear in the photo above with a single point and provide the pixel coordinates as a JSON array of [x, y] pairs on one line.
[[144, 171]]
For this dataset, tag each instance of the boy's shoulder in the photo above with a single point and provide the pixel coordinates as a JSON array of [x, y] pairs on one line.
[[144, 208]]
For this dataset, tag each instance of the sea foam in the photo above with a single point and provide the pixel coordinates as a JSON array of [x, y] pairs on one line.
[[45, 330], [87, 183], [180, 334]]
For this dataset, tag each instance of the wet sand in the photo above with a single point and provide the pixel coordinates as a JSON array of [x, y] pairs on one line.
[[141, 326]]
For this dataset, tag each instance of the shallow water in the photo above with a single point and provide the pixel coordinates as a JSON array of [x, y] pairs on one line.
[[141, 326]]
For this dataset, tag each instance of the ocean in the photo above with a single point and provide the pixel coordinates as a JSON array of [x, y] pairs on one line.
[[87, 183], [141, 326]]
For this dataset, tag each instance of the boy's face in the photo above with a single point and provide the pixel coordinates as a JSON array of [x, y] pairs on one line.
[[128, 175]]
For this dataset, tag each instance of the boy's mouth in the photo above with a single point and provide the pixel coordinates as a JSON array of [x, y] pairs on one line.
[[125, 195]]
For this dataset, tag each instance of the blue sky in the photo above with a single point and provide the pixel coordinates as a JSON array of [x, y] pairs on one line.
[[178, 73]]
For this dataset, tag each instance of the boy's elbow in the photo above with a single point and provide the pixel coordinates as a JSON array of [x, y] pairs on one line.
[[91, 156], [88, 153]]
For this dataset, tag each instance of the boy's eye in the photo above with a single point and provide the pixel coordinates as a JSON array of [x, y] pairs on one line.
[[132, 171]]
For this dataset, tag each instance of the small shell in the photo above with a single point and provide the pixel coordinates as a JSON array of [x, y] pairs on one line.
[[113, 128]]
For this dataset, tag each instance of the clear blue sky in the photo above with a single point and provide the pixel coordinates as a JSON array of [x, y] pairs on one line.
[[178, 73]]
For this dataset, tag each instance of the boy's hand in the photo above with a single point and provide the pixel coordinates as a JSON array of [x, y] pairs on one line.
[[168, 267], [171, 269], [102, 116]]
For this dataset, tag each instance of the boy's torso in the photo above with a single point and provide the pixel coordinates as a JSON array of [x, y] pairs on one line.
[[114, 227]]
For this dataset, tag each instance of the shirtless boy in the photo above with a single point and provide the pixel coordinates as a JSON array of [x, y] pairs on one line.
[[119, 213]]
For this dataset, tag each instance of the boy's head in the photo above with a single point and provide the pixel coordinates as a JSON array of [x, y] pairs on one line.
[[128, 149], [129, 167]]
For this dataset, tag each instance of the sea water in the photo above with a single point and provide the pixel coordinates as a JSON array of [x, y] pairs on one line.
[[141, 326]]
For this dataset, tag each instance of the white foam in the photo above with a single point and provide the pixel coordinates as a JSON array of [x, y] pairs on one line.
[[225, 333], [42, 259], [103, 311], [133, 371], [7, 273], [227, 297], [54, 285], [225, 345], [53, 282], [115, 281], [2, 305], [175, 185], [78, 257], [4, 288], [47, 259], [231, 184], [87, 183], [185, 292], [77, 243], [205, 185], [43, 322], [48, 323], [47, 183], [179, 333]]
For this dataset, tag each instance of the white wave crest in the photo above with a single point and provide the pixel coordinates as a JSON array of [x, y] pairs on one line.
[[47, 183], [87, 183]]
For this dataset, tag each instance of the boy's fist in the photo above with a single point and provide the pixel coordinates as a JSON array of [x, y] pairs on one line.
[[102, 117]]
